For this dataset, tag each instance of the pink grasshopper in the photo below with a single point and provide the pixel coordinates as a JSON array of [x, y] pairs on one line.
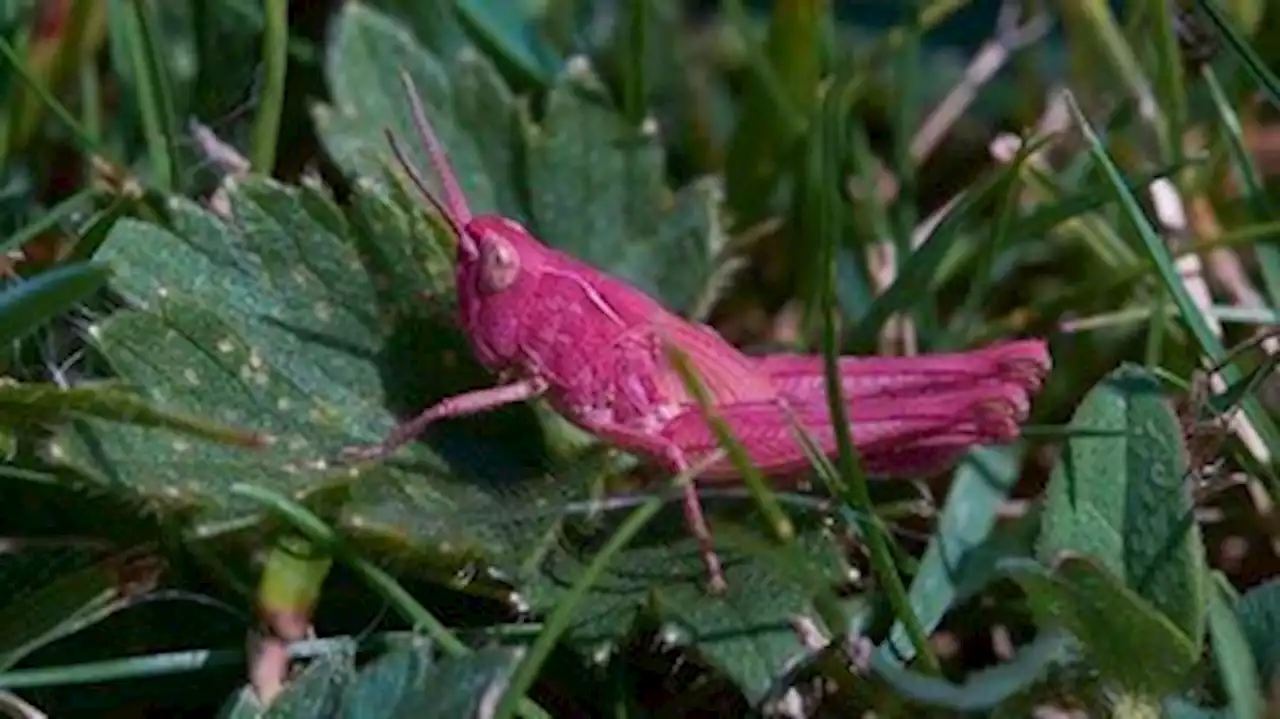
[[552, 326]]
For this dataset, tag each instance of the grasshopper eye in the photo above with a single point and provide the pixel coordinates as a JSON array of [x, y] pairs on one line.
[[499, 265]]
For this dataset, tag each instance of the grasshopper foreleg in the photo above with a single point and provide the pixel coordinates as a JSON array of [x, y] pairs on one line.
[[455, 406]]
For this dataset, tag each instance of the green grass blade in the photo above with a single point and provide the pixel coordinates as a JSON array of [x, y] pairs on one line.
[[1268, 253], [825, 167], [155, 93], [48, 220], [275, 60], [1161, 259], [83, 137], [526, 672], [29, 304], [1239, 44]]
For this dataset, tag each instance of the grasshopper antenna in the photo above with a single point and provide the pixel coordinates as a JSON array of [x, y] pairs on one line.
[[454, 208]]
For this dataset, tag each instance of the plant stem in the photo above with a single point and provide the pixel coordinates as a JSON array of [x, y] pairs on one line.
[[275, 58]]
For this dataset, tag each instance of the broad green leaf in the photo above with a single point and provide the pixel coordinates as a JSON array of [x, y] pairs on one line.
[[747, 633], [388, 686], [596, 186], [1120, 630], [1258, 612], [453, 687], [436, 24], [1119, 494], [317, 691], [487, 108], [597, 191], [982, 482], [983, 690], [41, 402], [27, 305], [244, 704], [298, 322], [514, 33], [308, 324], [363, 65], [288, 320]]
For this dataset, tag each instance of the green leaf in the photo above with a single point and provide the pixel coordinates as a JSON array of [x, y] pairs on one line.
[[317, 691], [747, 632], [596, 185], [1119, 629], [363, 65], [436, 24], [286, 318], [1258, 612], [308, 324], [453, 687], [982, 483], [244, 704], [41, 402], [598, 191], [1119, 494], [514, 33], [27, 305], [388, 685], [982, 690]]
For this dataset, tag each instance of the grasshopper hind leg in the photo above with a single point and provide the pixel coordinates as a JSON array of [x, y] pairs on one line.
[[697, 523], [673, 459]]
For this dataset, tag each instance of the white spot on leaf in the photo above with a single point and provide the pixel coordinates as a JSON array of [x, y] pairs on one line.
[[324, 312], [579, 67], [191, 376], [226, 346]]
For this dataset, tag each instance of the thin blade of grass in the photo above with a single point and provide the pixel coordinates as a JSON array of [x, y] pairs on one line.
[[1268, 253], [275, 60], [1239, 44], [781, 525], [48, 220], [826, 158], [28, 304], [1160, 257], [155, 93], [562, 616], [917, 273], [82, 137]]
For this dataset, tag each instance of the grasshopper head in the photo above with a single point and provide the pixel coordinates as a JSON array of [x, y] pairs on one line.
[[496, 256], [497, 275]]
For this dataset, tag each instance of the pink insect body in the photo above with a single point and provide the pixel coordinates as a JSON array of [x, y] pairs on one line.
[[553, 326]]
